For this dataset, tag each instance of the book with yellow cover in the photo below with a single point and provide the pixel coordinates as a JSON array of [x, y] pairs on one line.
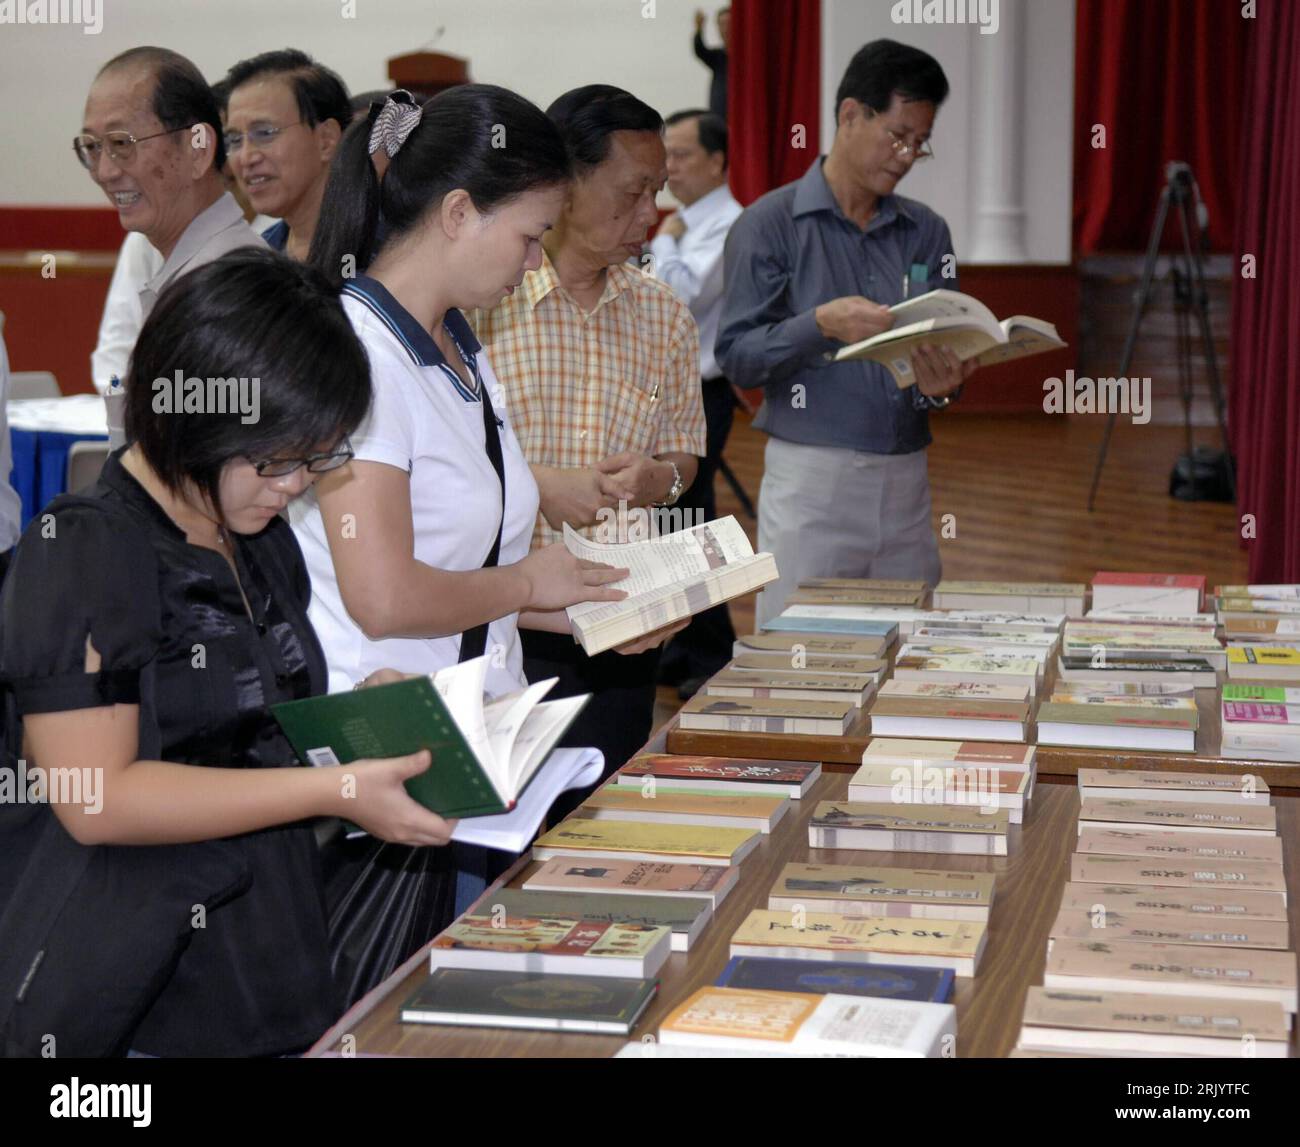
[[805, 1024], [955, 944], [641, 840], [1178, 816], [1124, 1024], [1173, 970], [1223, 903], [1237, 875], [720, 809], [885, 827], [1264, 662], [1112, 925], [1182, 846], [853, 890]]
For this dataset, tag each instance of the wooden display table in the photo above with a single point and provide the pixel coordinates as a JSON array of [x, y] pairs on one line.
[[1026, 898]]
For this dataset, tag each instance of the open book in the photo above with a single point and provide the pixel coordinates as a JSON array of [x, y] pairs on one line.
[[957, 321], [670, 577], [485, 752]]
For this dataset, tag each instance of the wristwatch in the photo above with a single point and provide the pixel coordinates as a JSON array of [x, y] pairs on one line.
[[675, 490]]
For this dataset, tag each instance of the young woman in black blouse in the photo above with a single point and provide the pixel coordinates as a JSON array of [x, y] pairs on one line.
[[172, 905]]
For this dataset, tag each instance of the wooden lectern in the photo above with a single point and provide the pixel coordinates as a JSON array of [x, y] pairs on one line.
[[426, 74]]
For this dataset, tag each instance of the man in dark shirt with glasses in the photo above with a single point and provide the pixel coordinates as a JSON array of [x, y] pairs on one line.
[[814, 266]]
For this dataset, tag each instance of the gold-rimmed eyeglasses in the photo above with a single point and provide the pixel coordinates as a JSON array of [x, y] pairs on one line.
[[120, 144]]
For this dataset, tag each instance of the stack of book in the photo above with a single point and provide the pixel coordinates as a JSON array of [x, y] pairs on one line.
[[1172, 937], [1013, 596], [889, 775], [1115, 715], [1110, 651], [916, 795], [792, 682], [1260, 722], [1259, 614]]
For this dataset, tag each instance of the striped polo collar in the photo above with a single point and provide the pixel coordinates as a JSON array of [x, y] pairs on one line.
[[405, 328]]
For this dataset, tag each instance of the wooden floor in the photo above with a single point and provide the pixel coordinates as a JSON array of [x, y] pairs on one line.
[[1017, 487]]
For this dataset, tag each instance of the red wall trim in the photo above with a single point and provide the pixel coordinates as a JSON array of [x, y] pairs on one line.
[[59, 229]]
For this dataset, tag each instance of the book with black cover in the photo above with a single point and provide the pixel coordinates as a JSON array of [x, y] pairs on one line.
[[466, 996]]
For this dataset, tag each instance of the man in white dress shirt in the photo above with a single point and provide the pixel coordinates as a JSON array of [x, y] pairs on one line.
[[152, 140], [687, 254]]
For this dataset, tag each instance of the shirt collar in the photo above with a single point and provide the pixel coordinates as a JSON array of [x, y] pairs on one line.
[[540, 283], [409, 331], [211, 221], [705, 206], [813, 193]]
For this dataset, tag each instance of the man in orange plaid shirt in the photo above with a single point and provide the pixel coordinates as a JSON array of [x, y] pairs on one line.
[[600, 366]]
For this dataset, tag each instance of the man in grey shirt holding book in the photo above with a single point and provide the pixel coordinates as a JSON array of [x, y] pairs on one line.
[[814, 266]]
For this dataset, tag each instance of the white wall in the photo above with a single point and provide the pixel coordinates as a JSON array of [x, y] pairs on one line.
[[539, 48], [945, 183]]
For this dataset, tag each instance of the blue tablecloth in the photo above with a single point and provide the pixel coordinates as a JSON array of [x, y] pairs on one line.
[[41, 465]]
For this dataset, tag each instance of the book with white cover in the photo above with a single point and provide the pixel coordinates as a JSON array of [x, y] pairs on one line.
[[957, 322], [670, 577], [802, 1023]]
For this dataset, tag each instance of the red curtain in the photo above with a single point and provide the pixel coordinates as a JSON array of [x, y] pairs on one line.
[[773, 90], [1265, 342], [1164, 78]]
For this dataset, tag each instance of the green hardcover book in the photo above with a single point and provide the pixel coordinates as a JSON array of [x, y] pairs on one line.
[[529, 1000], [685, 915], [1277, 694], [484, 752]]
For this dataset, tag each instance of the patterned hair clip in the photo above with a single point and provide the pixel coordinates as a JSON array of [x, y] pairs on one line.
[[399, 116]]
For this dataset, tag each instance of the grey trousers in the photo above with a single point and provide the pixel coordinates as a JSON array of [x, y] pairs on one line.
[[824, 511]]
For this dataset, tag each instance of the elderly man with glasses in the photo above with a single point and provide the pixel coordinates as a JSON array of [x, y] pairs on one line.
[[152, 141], [809, 268]]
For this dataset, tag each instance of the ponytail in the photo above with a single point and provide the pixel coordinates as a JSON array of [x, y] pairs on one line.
[[486, 140], [349, 215]]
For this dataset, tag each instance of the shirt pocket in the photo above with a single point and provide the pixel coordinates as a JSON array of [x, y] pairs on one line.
[[634, 415]]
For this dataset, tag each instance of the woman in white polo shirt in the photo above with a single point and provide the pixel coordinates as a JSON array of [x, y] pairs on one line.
[[408, 568]]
